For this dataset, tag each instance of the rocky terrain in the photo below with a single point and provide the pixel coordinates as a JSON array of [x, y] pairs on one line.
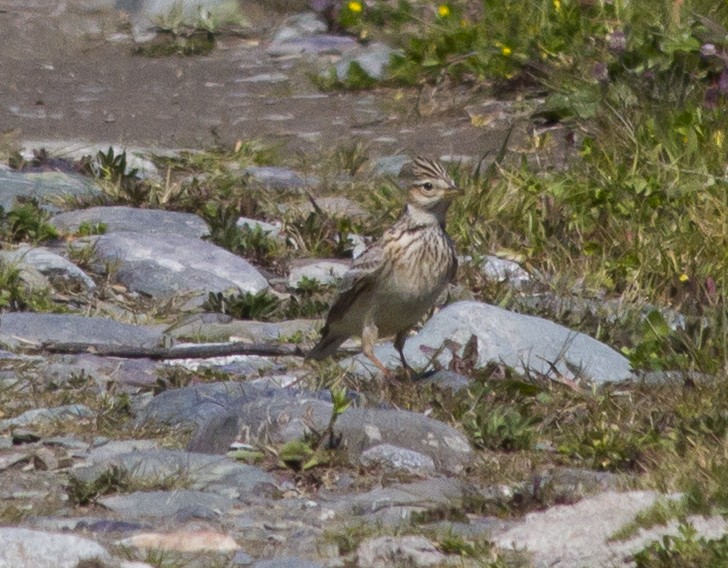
[[121, 445]]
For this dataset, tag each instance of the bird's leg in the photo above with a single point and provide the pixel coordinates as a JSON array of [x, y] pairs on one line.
[[399, 340], [368, 338]]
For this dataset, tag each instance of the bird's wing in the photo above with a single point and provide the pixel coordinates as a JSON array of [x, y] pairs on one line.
[[361, 276]]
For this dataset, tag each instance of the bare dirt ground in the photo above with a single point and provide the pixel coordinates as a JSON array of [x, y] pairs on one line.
[[69, 73]]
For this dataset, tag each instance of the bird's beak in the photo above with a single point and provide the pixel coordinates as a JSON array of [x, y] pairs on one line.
[[454, 191]]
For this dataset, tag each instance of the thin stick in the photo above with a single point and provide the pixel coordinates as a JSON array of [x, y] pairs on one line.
[[183, 352]]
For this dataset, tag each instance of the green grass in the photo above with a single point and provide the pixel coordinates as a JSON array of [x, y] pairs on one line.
[[663, 511], [685, 550]]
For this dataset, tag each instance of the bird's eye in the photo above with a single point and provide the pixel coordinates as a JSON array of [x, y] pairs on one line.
[[427, 185]]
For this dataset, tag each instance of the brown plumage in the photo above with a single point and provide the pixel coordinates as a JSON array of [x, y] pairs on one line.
[[398, 279]]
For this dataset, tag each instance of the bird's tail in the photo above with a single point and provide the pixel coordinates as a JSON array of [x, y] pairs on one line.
[[328, 345]]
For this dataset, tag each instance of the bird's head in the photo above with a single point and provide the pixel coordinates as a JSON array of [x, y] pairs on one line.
[[432, 189]]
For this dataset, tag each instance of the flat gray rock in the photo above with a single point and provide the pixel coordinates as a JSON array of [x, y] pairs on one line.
[[299, 26], [221, 327], [373, 59], [25, 548], [195, 405], [47, 263], [280, 420], [75, 150], [278, 178], [389, 165], [504, 270], [322, 271], [435, 493], [447, 380], [165, 504], [314, 45], [39, 416], [287, 562], [128, 374], [273, 230], [145, 14], [517, 340], [43, 186], [572, 536], [132, 219], [334, 205], [109, 450], [400, 460], [19, 329], [162, 266], [201, 472]]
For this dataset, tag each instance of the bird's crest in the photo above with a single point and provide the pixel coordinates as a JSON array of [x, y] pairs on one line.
[[423, 168]]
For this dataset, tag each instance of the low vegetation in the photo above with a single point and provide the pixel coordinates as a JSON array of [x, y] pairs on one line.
[[615, 203]]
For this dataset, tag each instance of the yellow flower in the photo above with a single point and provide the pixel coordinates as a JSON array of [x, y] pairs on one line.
[[354, 6], [684, 277], [718, 137], [505, 50], [443, 10], [557, 5]]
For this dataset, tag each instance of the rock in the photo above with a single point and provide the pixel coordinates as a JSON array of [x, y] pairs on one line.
[[299, 26], [66, 442], [25, 548], [220, 327], [504, 270], [372, 59], [339, 206], [110, 449], [395, 503], [315, 45], [492, 114], [517, 340], [264, 78], [389, 165], [47, 263], [46, 187], [412, 551], [39, 416], [127, 374], [242, 559], [305, 34], [568, 485], [198, 541], [146, 14], [287, 562], [280, 420], [9, 460], [45, 460], [447, 380], [135, 220], [162, 266], [241, 365], [322, 271], [278, 178], [76, 150], [363, 428], [270, 229], [398, 460], [200, 472], [195, 405], [166, 504], [578, 535], [23, 328]]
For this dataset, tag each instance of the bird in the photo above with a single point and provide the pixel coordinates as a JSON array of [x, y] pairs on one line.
[[398, 279]]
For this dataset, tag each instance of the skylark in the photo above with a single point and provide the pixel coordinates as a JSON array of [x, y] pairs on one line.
[[398, 279]]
